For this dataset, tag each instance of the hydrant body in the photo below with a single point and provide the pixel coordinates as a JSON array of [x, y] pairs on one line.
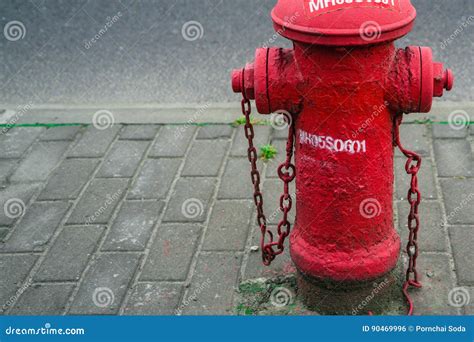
[[344, 82], [344, 224]]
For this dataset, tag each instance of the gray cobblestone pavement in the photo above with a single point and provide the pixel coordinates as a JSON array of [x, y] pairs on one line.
[[150, 219]]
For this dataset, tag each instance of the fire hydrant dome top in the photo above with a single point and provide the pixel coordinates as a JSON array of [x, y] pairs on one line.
[[343, 22]]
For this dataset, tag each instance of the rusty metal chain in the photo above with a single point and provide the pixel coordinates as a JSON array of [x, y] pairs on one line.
[[412, 168], [287, 173]]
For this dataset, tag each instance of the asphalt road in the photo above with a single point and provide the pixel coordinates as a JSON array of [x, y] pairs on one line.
[[142, 57]]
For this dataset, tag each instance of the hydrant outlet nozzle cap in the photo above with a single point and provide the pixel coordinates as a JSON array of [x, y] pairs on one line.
[[243, 81], [449, 81], [237, 80], [343, 22]]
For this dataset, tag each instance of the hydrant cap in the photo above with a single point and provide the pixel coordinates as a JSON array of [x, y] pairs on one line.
[[343, 22]]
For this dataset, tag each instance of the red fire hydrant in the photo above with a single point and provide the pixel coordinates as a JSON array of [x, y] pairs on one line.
[[346, 87]]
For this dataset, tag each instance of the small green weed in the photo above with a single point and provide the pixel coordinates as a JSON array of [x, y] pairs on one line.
[[268, 152]]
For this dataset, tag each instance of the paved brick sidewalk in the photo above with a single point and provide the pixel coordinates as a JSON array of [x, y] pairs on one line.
[[156, 219]]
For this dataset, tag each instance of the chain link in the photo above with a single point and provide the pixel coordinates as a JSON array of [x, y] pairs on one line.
[[287, 172], [412, 167]]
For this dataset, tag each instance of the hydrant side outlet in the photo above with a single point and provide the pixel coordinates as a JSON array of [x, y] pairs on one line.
[[344, 82]]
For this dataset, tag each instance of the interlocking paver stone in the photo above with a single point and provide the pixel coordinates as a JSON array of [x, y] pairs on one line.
[[3, 233], [446, 132], [414, 137], [280, 133], [214, 132], [240, 145], [171, 253], [190, 200], [272, 165], [39, 163], [105, 284], [155, 178], [459, 200], [139, 132], [94, 142], [100, 248], [152, 299], [60, 133], [229, 226], [462, 240], [133, 226], [123, 159], [454, 158], [437, 277], [205, 158], [43, 299], [426, 179], [17, 267], [70, 253], [99, 201], [213, 285], [172, 141], [69, 179], [13, 201], [236, 182], [432, 235], [6, 168], [17, 140], [36, 228]]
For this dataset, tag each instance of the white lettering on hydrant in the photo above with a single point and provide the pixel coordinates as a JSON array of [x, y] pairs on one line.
[[323, 6], [332, 144]]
